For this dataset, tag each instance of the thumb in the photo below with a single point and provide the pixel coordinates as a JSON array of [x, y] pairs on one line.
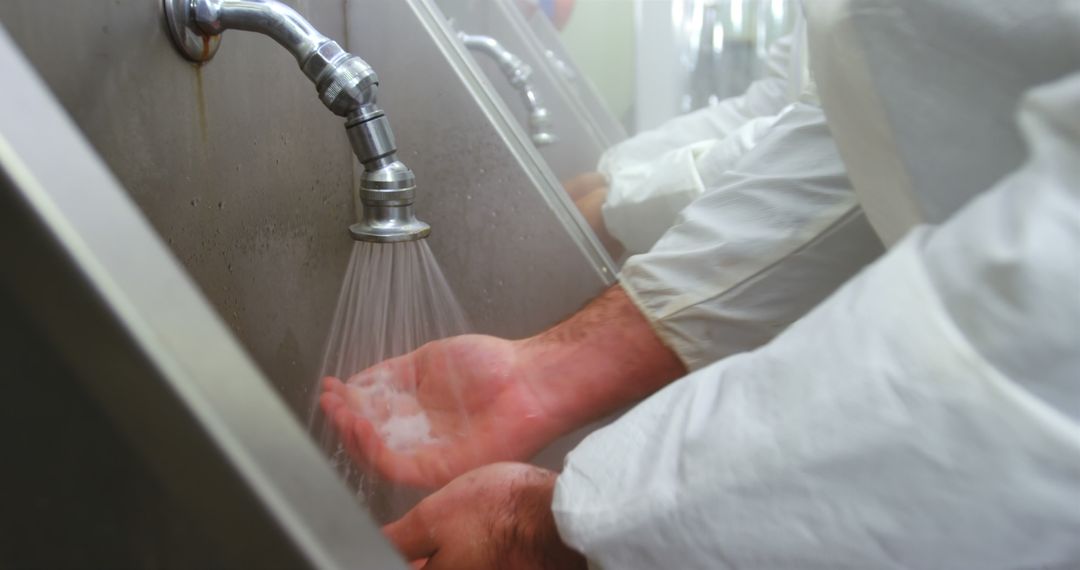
[[412, 536]]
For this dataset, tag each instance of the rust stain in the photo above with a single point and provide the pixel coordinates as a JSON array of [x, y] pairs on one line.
[[200, 106]]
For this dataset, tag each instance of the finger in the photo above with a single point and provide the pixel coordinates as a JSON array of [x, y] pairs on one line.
[[366, 447], [423, 465], [412, 535], [331, 384], [436, 563], [362, 443], [331, 405], [419, 564], [419, 469], [341, 421], [330, 402], [335, 387]]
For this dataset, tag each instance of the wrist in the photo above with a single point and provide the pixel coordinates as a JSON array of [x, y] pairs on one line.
[[598, 361], [540, 545]]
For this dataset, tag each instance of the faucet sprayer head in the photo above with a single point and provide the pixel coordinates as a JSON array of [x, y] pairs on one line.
[[387, 196], [540, 127], [387, 187]]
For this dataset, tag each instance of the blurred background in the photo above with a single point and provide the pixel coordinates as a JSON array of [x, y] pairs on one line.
[[651, 60]]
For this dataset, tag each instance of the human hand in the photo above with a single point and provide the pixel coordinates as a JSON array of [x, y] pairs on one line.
[[591, 206], [495, 517], [453, 405], [588, 192], [584, 184]]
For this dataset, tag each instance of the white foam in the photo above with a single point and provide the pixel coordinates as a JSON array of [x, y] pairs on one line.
[[403, 433], [395, 413]]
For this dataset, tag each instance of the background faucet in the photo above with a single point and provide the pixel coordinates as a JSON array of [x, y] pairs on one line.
[[346, 84], [564, 69], [519, 74]]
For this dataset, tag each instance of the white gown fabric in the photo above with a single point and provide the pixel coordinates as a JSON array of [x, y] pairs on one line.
[[927, 415], [779, 232], [759, 222], [654, 175]]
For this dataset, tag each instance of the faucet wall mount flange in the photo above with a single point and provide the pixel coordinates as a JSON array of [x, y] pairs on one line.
[[192, 43]]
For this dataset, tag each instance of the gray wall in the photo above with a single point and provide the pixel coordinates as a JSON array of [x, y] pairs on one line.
[[240, 168]]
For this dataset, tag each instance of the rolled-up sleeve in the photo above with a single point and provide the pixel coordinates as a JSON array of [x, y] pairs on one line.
[[780, 231], [654, 175]]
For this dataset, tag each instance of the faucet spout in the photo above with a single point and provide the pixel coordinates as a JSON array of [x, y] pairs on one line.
[[519, 75], [270, 18], [346, 84]]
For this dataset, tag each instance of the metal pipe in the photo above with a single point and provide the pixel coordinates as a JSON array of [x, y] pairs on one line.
[[519, 75], [346, 84], [270, 18], [564, 69]]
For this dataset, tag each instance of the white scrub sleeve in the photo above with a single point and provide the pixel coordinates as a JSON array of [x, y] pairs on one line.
[[644, 199], [925, 416], [779, 232], [765, 97], [654, 175]]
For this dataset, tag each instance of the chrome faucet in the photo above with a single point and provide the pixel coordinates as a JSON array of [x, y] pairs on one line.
[[346, 84], [519, 74], [564, 69]]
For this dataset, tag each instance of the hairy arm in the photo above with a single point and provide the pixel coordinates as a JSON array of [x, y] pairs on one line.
[[601, 359]]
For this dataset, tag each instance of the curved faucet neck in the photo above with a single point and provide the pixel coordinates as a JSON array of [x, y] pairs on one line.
[[519, 75], [268, 17]]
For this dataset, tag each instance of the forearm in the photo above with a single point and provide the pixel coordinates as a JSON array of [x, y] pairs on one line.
[[601, 359]]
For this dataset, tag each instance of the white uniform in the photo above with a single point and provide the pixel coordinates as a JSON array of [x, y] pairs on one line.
[[655, 174], [773, 224], [927, 415]]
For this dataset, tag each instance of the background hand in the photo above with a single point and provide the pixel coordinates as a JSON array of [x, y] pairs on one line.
[[589, 192]]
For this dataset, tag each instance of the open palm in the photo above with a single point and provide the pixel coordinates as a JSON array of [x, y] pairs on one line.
[[424, 418]]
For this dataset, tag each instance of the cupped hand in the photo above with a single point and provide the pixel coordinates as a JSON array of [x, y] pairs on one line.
[[424, 418], [495, 517]]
